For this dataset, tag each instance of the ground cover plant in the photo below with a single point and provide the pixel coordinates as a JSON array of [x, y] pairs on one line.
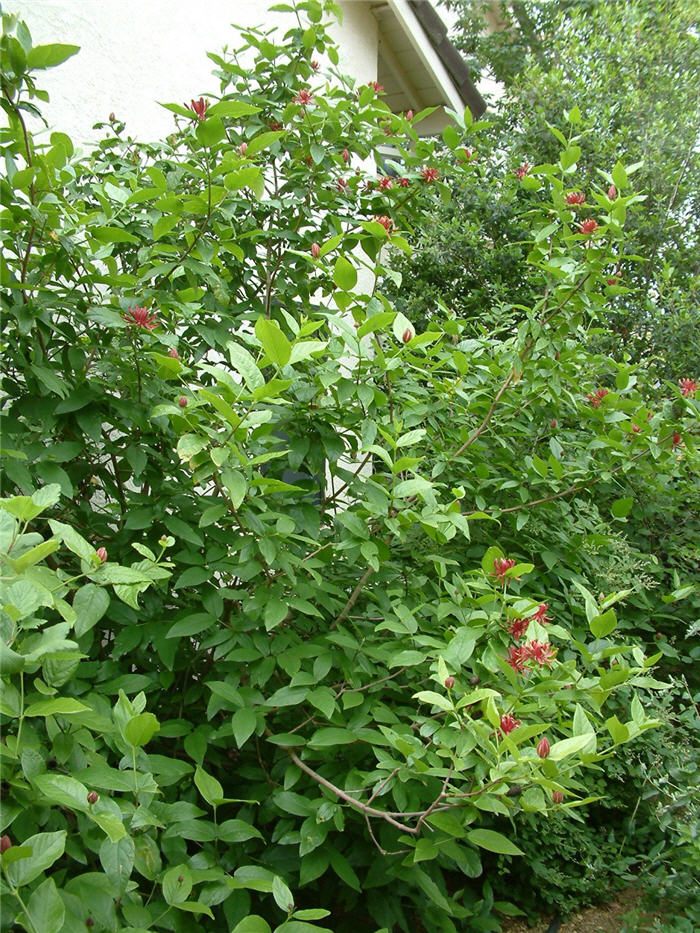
[[282, 647]]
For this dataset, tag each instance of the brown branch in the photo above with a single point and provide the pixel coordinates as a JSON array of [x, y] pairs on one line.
[[353, 599]]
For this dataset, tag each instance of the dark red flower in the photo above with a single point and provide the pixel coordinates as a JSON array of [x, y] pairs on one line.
[[198, 107], [543, 747], [539, 651], [182, 401], [341, 184], [385, 221], [613, 280], [501, 565], [429, 174], [677, 440], [449, 682], [304, 96], [595, 398], [508, 723], [612, 192], [468, 155], [376, 86], [102, 554], [518, 627], [588, 226], [515, 659], [553, 423], [407, 335], [385, 183], [346, 156], [557, 797], [274, 125], [688, 387], [315, 250], [92, 797], [315, 65], [522, 171], [5, 843], [636, 429], [140, 318], [575, 197], [404, 182], [541, 614]]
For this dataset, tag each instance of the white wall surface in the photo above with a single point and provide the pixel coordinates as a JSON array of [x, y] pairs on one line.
[[137, 52]]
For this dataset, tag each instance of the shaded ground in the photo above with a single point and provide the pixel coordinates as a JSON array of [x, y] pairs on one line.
[[605, 918]]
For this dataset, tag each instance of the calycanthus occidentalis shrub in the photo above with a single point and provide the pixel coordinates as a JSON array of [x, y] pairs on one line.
[[337, 671]]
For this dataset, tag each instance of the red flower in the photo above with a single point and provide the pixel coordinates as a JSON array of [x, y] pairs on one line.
[[315, 250], [688, 387], [595, 398], [376, 86], [576, 197], [172, 352], [541, 614], [543, 747], [274, 125], [518, 627], [557, 797], [92, 797], [369, 185], [635, 429], [612, 192], [429, 174], [468, 155], [182, 401], [539, 651], [314, 65], [385, 184], [449, 682], [102, 554], [346, 156], [613, 280], [501, 565], [243, 148], [508, 723], [677, 440], [141, 318], [304, 96], [407, 335], [515, 659], [404, 183], [523, 170], [341, 184], [588, 226], [385, 221], [409, 115], [198, 107]]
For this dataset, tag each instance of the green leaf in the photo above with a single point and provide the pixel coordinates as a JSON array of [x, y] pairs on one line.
[[90, 604], [141, 729], [253, 923], [243, 363], [210, 131], [330, 736], [493, 841], [603, 624], [45, 848], [117, 859], [208, 787], [113, 235], [621, 507], [74, 542], [231, 109], [282, 895], [344, 274], [61, 706], [567, 747], [236, 486], [276, 346], [177, 885], [46, 909], [48, 56], [243, 722]]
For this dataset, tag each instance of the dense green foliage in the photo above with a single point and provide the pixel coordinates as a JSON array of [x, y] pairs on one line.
[[375, 622]]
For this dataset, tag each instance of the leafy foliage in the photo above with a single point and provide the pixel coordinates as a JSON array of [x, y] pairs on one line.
[[346, 665]]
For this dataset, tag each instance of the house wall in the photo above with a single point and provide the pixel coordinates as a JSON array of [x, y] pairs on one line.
[[137, 52]]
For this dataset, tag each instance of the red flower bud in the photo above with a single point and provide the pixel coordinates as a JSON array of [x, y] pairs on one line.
[[5, 843], [543, 747], [346, 156], [449, 682], [243, 148], [314, 65], [92, 797], [557, 797], [659, 636], [409, 115], [612, 192], [474, 680], [112, 118], [89, 922], [102, 554], [677, 440], [553, 423], [315, 250], [173, 354], [407, 335], [182, 401]]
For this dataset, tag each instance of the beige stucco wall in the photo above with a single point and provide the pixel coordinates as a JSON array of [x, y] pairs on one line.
[[137, 52]]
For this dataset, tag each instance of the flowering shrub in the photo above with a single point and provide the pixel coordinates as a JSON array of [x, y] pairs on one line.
[[338, 673]]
